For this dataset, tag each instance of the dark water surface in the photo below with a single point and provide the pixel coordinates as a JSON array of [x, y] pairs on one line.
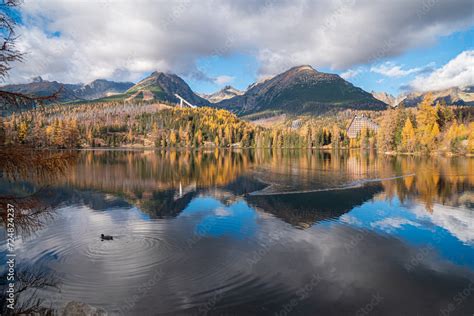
[[248, 233]]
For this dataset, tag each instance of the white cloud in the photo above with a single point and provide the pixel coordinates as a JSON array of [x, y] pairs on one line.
[[351, 73], [125, 39], [458, 72], [222, 80], [389, 69], [392, 223]]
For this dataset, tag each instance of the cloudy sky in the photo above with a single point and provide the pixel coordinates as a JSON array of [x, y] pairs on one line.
[[378, 45]]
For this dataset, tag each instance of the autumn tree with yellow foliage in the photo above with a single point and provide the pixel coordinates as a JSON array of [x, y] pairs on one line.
[[427, 129], [22, 131], [470, 139], [456, 135], [408, 137]]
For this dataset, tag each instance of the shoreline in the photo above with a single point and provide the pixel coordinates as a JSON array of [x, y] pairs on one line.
[[208, 148]]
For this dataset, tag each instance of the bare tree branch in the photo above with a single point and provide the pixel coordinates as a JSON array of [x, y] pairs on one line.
[[10, 54], [18, 101], [8, 51]]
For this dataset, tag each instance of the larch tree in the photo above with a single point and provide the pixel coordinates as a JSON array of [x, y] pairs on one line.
[[426, 119], [58, 136], [335, 136], [470, 139], [130, 136], [198, 138], [228, 135], [89, 136], [73, 135], [364, 138], [22, 131], [173, 138], [408, 136], [388, 130]]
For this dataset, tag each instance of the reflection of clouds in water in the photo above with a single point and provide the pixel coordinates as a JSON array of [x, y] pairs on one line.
[[270, 271], [348, 279], [75, 222], [283, 260], [458, 221], [392, 223], [355, 244], [448, 230], [213, 218], [92, 269], [349, 219], [222, 212]]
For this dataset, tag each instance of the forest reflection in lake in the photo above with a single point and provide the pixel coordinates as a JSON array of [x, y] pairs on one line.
[[251, 232]]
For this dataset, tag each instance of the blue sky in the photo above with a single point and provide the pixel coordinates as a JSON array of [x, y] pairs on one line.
[[242, 68], [428, 58], [414, 224], [428, 45]]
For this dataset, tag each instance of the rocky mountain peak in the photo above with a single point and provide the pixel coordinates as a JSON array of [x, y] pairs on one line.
[[304, 68], [302, 89], [37, 79], [225, 93]]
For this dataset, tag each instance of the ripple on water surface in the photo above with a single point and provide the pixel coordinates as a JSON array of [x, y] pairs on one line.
[[86, 265], [178, 252]]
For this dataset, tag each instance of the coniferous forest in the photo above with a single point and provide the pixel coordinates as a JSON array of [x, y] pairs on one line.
[[424, 129]]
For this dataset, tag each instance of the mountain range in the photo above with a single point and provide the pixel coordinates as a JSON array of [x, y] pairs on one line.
[[386, 98], [299, 90], [70, 92], [157, 86], [453, 96], [102, 88], [163, 86], [302, 90], [225, 93]]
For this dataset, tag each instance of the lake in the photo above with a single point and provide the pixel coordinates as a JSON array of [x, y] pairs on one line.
[[291, 232]]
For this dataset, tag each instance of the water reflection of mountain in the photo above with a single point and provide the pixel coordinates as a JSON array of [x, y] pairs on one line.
[[244, 185], [170, 203], [141, 173], [56, 197], [165, 204], [222, 259], [162, 183], [305, 209], [159, 204]]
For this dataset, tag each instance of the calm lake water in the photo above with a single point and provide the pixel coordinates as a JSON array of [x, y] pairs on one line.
[[248, 233]]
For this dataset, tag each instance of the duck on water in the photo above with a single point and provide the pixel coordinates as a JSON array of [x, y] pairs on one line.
[[106, 237]]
